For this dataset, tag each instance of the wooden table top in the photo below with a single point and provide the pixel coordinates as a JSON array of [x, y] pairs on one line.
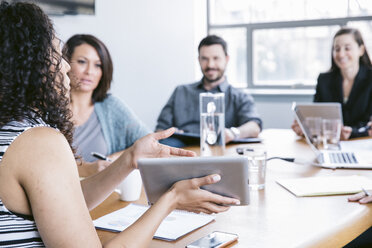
[[275, 217]]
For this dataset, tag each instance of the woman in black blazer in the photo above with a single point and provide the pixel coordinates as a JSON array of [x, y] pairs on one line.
[[349, 82]]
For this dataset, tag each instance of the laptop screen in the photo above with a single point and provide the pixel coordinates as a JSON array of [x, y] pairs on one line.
[[305, 129], [310, 116]]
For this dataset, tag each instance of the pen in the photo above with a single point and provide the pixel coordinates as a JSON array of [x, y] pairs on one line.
[[100, 156], [366, 192], [363, 129]]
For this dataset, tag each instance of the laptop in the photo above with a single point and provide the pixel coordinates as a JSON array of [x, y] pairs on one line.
[[330, 158], [159, 174], [327, 110]]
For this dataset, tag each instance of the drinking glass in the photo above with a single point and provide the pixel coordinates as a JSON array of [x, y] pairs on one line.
[[212, 124], [256, 168], [315, 127], [331, 129]]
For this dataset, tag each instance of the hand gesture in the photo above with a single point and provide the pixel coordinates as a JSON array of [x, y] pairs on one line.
[[189, 196], [149, 147]]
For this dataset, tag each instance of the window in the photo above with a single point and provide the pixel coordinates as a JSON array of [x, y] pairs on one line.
[[283, 44]]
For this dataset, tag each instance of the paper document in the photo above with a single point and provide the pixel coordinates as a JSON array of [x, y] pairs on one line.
[[356, 145], [174, 226], [330, 185]]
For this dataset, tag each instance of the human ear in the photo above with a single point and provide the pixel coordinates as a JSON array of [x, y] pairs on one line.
[[362, 50], [227, 58]]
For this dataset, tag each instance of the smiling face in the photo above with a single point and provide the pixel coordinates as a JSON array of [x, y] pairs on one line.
[[86, 68], [213, 62], [346, 51]]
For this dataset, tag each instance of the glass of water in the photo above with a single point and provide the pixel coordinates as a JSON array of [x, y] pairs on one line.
[[256, 167], [331, 134], [315, 127], [212, 124]]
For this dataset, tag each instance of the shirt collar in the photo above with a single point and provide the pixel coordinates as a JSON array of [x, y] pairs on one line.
[[222, 87]]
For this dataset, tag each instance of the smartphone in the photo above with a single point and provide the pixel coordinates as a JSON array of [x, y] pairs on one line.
[[240, 150], [214, 240]]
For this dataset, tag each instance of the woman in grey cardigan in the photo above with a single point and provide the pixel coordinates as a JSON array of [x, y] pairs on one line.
[[98, 117]]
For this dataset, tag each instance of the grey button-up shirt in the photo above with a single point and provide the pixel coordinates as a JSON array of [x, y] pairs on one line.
[[182, 109]]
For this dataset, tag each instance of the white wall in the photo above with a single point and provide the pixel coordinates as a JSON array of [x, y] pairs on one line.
[[275, 110], [154, 48], [152, 44]]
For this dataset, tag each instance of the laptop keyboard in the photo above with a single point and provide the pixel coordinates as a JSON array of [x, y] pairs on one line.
[[342, 158]]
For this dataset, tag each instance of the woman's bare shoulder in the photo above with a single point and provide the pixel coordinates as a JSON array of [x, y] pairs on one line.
[[35, 160], [38, 147]]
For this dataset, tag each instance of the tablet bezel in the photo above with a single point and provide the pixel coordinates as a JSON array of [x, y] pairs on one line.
[[159, 174]]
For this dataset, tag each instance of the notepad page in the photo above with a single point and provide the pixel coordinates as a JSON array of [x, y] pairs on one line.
[[330, 185], [356, 145], [175, 225]]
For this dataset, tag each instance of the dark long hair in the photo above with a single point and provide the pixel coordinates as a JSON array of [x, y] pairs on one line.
[[30, 79], [99, 93], [364, 59]]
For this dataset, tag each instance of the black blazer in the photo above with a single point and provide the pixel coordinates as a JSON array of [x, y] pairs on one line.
[[358, 108]]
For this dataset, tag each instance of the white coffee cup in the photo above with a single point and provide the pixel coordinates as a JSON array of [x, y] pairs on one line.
[[130, 188]]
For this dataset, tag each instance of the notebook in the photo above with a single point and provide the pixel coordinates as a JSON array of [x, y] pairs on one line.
[[330, 185], [177, 224], [159, 174], [333, 159]]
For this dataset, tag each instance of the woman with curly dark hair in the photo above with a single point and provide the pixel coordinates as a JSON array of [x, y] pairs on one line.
[[42, 200]]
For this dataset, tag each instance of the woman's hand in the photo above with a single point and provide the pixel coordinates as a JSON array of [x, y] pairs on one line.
[[149, 147], [345, 132], [189, 196], [296, 128], [361, 198], [370, 129], [87, 169]]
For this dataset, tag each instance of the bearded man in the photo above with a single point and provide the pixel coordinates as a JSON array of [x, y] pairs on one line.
[[182, 109]]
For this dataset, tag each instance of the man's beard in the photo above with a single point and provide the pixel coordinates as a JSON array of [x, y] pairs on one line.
[[209, 80]]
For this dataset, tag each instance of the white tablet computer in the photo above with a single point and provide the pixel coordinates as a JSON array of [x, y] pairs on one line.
[[159, 174], [325, 110]]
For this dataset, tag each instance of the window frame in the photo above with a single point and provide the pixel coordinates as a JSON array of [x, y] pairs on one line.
[[251, 27]]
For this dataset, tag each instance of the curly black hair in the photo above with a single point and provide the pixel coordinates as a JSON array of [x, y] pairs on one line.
[[30, 78]]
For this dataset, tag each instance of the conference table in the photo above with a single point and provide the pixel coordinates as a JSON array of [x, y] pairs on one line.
[[275, 217]]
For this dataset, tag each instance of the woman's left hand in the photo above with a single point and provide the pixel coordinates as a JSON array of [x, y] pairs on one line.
[[149, 147], [345, 132], [361, 198], [87, 169], [370, 129]]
